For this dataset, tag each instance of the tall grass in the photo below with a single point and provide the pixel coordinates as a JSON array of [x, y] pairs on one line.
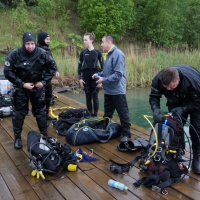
[[142, 64]]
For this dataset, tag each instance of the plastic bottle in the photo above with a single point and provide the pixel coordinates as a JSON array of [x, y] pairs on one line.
[[117, 185]]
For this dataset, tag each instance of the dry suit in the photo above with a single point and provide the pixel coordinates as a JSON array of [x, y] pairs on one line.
[[22, 66], [186, 96], [48, 88]]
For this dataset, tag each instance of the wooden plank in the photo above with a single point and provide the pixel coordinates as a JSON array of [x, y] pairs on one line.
[[14, 180], [4, 190], [88, 186], [90, 180], [18, 186], [68, 189], [102, 179], [45, 190]]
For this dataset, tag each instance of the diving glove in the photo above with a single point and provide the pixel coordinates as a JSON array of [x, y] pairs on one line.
[[157, 115], [178, 111]]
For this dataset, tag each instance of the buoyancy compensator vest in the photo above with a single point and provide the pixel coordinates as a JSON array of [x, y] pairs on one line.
[[161, 159]]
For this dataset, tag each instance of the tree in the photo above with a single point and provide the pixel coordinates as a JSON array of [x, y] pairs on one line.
[[158, 21], [191, 33], [20, 22], [106, 17], [46, 9]]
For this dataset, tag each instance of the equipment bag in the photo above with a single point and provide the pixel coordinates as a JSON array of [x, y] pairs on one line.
[[68, 118], [90, 130], [6, 108], [160, 159], [50, 155]]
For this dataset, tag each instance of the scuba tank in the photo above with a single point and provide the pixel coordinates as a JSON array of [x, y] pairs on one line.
[[6, 111]]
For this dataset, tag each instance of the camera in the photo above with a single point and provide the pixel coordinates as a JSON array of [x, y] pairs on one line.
[[96, 77]]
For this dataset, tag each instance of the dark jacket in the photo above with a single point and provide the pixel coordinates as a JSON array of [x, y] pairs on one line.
[[186, 92], [21, 67], [48, 50]]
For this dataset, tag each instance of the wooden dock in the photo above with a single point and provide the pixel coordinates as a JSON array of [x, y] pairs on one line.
[[89, 181]]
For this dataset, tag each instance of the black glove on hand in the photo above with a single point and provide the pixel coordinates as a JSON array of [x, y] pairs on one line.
[[157, 115], [178, 111]]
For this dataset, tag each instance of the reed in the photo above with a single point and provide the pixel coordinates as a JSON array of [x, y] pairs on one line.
[[142, 64]]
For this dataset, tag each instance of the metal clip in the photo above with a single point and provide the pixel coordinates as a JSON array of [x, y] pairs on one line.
[[157, 158]]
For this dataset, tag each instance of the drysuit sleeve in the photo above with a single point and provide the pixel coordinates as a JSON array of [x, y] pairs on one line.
[[155, 94], [9, 70], [50, 71]]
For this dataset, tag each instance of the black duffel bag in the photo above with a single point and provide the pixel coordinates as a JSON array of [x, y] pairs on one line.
[[68, 118], [90, 130]]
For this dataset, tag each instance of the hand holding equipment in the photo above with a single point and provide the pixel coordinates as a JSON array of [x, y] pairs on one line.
[[157, 115]]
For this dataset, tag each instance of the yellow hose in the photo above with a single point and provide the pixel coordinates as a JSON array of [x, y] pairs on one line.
[[60, 109], [156, 135]]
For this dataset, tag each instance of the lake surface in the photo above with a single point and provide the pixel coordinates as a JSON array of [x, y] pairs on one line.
[[138, 103]]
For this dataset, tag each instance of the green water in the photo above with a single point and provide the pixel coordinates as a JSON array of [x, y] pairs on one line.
[[138, 103]]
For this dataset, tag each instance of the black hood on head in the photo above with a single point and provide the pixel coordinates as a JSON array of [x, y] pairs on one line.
[[41, 37], [28, 37]]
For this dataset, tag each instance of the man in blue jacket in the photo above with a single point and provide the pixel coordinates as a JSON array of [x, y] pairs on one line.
[[113, 78]]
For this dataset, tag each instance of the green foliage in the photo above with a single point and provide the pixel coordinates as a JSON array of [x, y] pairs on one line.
[[161, 23], [31, 2], [106, 17], [46, 9], [11, 3], [2, 59], [192, 23], [76, 39], [158, 21], [56, 44], [20, 21]]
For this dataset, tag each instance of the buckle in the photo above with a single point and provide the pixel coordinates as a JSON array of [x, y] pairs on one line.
[[156, 188], [164, 192]]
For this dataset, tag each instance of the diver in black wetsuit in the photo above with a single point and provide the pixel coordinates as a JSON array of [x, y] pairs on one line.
[[87, 66], [44, 42], [180, 85]]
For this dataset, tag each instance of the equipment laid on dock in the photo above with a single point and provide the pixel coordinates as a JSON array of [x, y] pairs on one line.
[[47, 155], [162, 158], [5, 85], [6, 108]]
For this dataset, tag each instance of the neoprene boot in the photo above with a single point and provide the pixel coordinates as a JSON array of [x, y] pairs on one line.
[[196, 160], [125, 138], [18, 142], [95, 114]]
